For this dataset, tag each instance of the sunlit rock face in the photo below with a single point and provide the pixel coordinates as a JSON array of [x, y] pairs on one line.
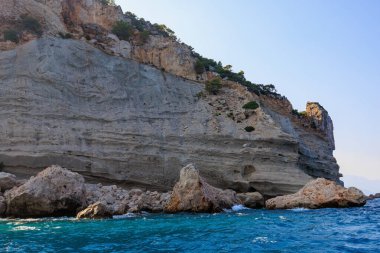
[[128, 112], [66, 102], [319, 193]]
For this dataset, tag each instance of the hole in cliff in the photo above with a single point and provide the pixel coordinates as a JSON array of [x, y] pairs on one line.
[[248, 170]]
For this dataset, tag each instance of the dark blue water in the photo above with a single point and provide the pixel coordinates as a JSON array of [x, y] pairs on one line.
[[326, 230]]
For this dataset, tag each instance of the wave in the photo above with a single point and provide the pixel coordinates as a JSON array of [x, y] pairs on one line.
[[299, 209], [24, 228], [236, 208]]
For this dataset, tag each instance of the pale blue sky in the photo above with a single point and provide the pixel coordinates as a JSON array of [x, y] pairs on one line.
[[317, 50]]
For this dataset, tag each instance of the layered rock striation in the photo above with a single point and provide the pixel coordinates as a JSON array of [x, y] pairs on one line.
[[132, 113]]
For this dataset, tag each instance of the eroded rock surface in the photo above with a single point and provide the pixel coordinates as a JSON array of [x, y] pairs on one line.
[[7, 181], [120, 120], [193, 194], [97, 210], [117, 119], [319, 193], [251, 199], [53, 192], [3, 206], [373, 196]]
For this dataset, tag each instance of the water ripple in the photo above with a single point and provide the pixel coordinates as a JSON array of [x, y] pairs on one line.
[[300, 230]]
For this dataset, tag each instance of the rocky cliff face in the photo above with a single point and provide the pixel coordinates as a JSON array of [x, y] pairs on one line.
[[72, 102]]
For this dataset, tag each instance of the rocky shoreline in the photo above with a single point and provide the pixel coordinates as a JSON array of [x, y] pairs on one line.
[[57, 191]]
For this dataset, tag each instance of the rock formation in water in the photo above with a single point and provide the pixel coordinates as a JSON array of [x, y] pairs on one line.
[[133, 111], [374, 196], [251, 199], [97, 210], [319, 193], [193, 194], [53, 192]]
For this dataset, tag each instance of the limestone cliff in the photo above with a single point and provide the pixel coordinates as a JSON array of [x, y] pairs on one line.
[[138, 118]]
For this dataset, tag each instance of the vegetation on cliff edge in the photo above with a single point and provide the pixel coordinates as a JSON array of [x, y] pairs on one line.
[[253, 105], [214, 85], [203, 64]]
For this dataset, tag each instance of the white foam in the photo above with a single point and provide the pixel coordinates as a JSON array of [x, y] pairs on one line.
[[237, 208], [263, 240], [124, 216], [24, 228], [299, 209]]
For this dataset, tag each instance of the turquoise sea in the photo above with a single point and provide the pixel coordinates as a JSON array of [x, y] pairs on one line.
[[241, 230]]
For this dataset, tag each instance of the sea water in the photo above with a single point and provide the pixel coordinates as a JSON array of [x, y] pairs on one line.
[[237, 230]]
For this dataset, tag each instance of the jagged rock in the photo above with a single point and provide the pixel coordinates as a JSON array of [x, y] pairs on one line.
[[321, 121], [119, 201], [114, 198], [53, 192], [167, 54], [3, 206], [251, 199], [319, 193], [193, 194], [76, 13], [46, 12], [7, 181], [97, 210]]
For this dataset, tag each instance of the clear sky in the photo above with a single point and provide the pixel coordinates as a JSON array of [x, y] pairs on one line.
[[317, 50]]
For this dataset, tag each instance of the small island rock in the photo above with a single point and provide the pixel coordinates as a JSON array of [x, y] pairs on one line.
[[192, 194], [319, 193], [374, 196]]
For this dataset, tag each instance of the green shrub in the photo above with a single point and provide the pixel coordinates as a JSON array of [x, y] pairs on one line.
[[214, 85], [295, 112], [251, 105], [199, 67], [165, 31], [144, 36], [200, 95], [31, 24], [249, 129], [226, 72], [1, 166], [303, 114], [122, 30], [11, 35], [137, 23]]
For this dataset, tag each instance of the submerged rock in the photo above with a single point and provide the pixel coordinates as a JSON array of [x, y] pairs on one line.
[[193, 194], [251, 199], [7, 181], [95, 211], [55, 191], [319, 193]]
